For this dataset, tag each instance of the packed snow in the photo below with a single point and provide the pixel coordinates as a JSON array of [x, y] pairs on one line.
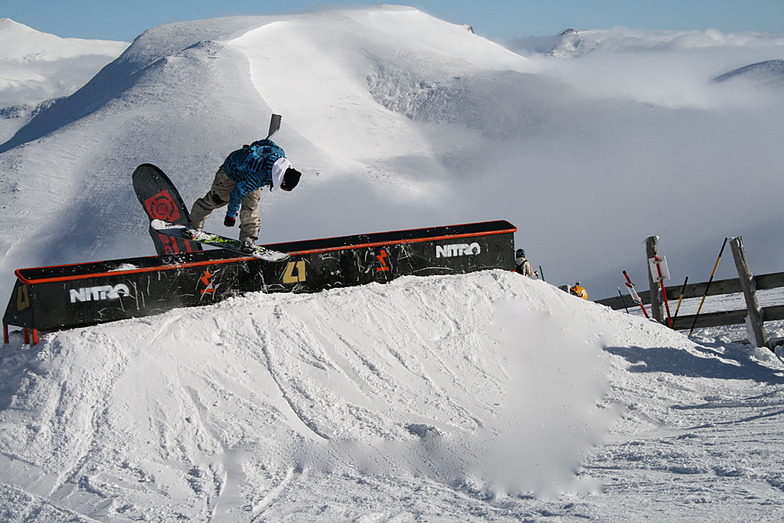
[[479, 397], [460, 398]]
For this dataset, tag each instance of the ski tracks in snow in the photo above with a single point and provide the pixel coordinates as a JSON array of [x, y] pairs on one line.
[[702, 454], [395, 397]]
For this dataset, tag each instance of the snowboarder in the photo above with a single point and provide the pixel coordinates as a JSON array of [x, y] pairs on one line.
[[238, 184], [579, 291], [523, 266]]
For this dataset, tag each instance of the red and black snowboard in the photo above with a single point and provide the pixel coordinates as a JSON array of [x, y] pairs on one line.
[[161, 201]]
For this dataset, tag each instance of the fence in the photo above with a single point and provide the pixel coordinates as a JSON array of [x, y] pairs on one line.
[[746, 283]]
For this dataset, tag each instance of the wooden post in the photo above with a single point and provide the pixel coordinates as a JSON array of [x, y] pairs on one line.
[[652, 250], [748, 286]]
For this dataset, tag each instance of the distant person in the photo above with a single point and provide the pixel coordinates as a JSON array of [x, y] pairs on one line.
[[523, 266], [579, 291], [238, 184]]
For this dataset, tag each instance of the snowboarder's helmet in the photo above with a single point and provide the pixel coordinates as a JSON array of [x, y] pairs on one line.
[[520, 253], [290, 179]]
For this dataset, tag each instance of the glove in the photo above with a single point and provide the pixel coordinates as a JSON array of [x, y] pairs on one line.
[[229, 221]]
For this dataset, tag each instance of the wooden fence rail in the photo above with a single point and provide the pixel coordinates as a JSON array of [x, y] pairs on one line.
[[748, 286], [696, 290]]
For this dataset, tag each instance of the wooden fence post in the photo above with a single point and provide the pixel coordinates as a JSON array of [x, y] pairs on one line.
[[652, 250], [749, 288]]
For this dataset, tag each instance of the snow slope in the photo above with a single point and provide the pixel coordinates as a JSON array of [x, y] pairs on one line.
[[36, 68], [462, 398], [400, 120]]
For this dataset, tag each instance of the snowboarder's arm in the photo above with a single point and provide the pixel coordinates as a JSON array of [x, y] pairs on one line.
[[235, 199]]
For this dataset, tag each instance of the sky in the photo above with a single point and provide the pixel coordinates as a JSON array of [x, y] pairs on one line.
[[496, 19]]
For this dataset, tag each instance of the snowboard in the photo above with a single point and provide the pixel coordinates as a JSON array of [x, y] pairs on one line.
[[207, 238], [162, 201]]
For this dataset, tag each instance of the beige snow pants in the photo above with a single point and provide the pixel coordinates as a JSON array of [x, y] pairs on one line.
[[218, 196]]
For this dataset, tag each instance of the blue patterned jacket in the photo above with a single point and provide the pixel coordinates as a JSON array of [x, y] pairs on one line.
[[251, 168]]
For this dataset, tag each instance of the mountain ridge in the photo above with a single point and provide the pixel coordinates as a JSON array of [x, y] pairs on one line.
[[409, 126]]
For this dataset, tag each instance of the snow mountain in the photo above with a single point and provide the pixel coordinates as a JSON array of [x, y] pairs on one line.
[[769, 73], [38, 68], [409, 122], [573, 43]]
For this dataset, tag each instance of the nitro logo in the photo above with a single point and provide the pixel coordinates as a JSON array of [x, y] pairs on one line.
[[458, 249], [101, 293]]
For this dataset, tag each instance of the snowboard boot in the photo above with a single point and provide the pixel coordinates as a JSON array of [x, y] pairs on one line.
[[248, 246], [190, 233]]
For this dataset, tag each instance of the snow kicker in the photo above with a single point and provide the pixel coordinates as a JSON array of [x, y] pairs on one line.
[[66, 296]]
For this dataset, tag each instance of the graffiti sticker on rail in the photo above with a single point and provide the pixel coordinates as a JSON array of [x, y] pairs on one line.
[[206, 279], [382, 259], [295, 272]]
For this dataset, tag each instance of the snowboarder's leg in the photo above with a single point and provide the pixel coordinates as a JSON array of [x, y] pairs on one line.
[[218, 196], [250, 220]]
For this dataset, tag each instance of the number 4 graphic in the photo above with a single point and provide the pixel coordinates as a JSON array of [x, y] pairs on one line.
[[290, 277]]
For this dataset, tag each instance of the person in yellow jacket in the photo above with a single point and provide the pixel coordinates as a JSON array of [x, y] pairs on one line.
[[579, 291]]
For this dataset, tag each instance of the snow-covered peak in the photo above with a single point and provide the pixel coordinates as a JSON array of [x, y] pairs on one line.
[[388, 65], [399, 118], [21, 43], [36, 67], [570, 44], [574, 43], [769, 73], [412, 30]]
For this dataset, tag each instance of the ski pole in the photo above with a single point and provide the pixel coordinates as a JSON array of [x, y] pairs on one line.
[[663, 289], [541, 273], [708, 286], [634, 295], [680, 299], [623, 300]]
